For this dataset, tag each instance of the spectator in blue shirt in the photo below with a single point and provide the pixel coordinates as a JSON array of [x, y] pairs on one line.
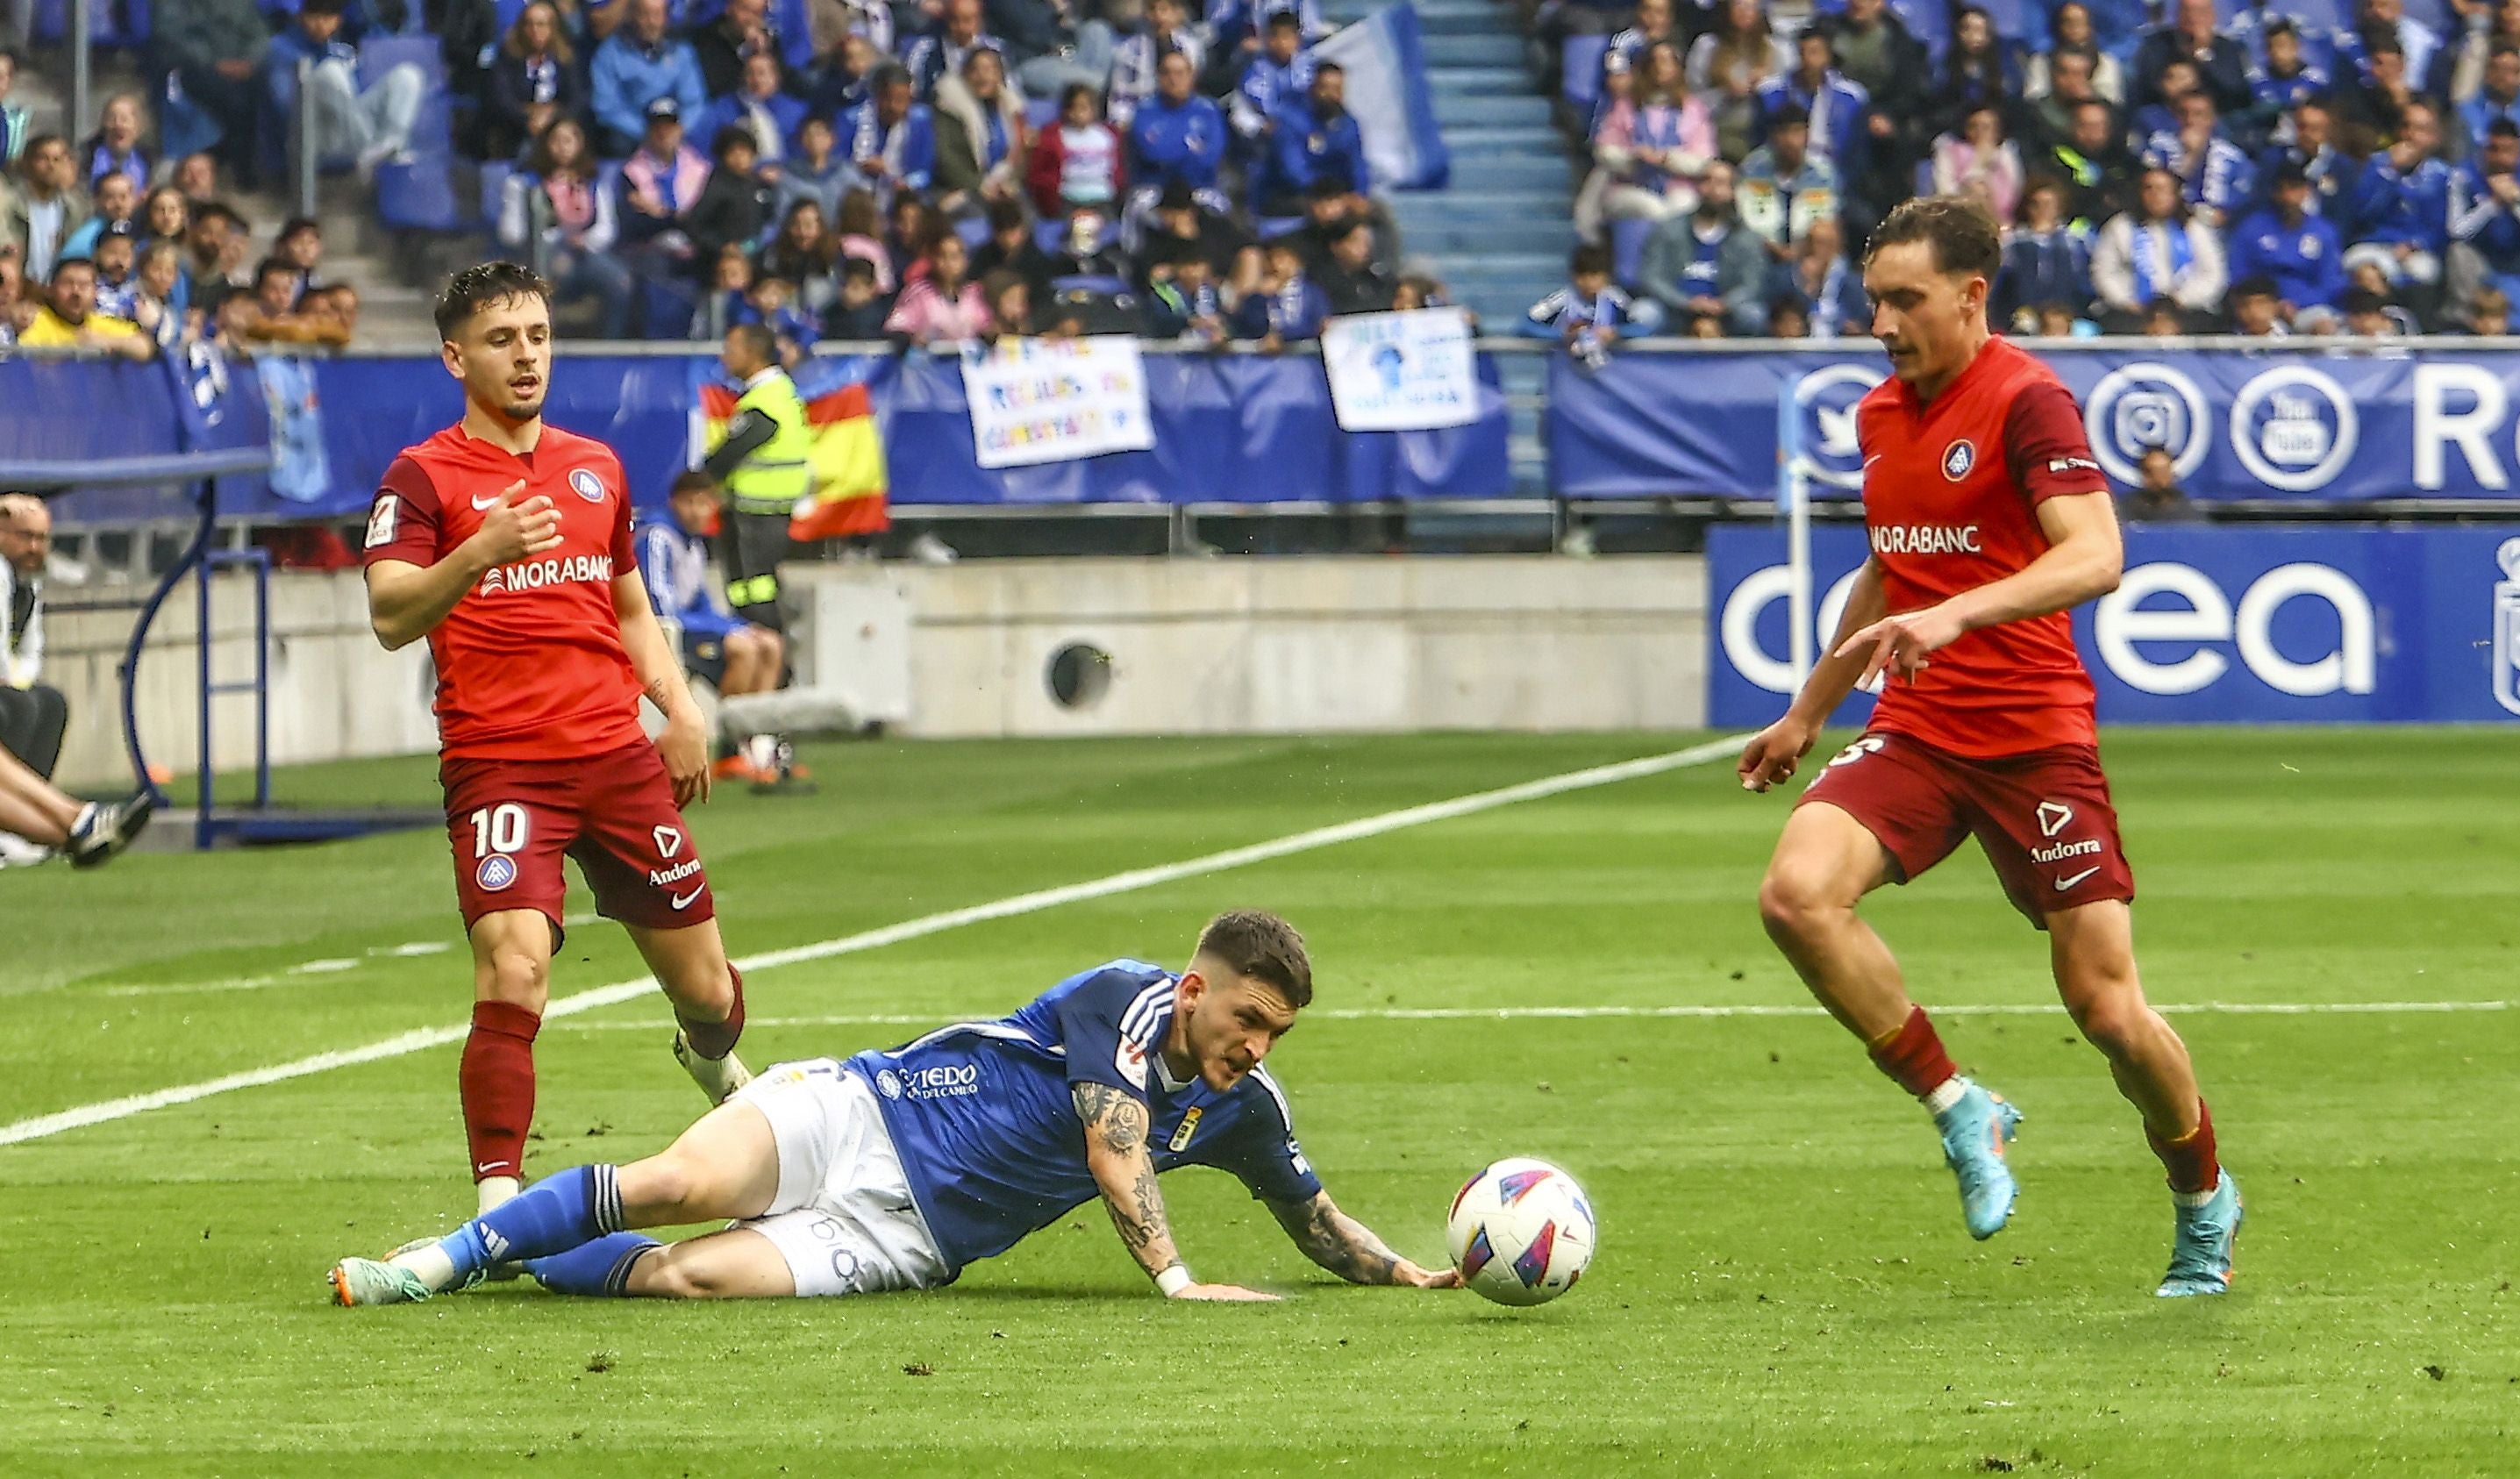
[[760, 108], [731, 654], [2496, 98], [1288, 305], [634, 67], [1314, 138], [2213, 175], [2400, 209], [2045, 261], [941, 53], [1176, 138], [2382, 22], [1834, 105], [2485, 217], [1279, 73], [2296, 250], [2285, 80], [1590, 314], [891, 137], [366, 125], [114, 147], [2306, 138]]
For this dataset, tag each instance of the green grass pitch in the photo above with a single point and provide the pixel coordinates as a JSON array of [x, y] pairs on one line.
[[1783, 1286]]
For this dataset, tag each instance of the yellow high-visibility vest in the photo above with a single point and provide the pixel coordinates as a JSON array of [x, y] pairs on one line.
[[780, 472]]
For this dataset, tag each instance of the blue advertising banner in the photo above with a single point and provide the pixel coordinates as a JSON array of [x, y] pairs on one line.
[[2387, 423], [1228, 428], [2266, 624]]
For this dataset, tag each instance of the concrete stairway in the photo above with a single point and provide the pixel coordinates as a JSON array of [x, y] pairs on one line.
[[1498, 236]]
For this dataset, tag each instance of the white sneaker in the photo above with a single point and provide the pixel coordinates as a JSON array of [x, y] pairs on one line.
[[927, 548]]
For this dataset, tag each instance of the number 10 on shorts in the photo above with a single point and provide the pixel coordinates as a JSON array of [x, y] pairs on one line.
[[498, 829]]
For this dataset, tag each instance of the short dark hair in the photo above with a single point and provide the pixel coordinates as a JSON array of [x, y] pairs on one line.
[[1285, 20], [1259, 946], [2254, 285], [1325, 69], [1589, 259], [476, 288], [2502, 128], [692, 480], [1960, 232], [758, 339], [271, 264], [854, 267], [728, 138], [297, 224]]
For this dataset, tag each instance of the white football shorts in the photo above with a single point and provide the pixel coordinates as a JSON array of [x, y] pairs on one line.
[[844, 1216]]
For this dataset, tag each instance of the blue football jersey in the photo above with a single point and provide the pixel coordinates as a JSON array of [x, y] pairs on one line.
[[983, 1114]]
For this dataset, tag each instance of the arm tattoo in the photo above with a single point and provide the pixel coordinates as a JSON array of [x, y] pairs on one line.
[[1116, 1123], [1335, 1240]]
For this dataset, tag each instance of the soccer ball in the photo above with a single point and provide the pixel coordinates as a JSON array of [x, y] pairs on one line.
[[1521, 1232]]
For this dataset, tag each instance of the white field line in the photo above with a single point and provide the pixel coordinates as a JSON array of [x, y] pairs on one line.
[[107, 1110], [1514, 1014]]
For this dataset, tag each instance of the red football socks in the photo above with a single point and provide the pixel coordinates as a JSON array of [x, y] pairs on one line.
[[498, 1087], [1914, 1056], [2190, 1161], [715, 1040]]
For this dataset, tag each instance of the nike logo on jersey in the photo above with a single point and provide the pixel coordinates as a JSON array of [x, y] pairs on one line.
[[684, 900], [2067, 882], [478, 503], [1875, 458]]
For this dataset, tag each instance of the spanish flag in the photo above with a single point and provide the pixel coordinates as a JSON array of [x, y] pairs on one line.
[[849, 486]]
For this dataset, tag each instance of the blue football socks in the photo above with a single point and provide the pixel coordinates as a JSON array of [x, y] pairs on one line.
[[601, 1268], [554, 1215]]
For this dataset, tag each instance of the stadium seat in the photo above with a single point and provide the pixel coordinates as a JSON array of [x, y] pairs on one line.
[[1101, 283], [667, 308], [1270, 228], [2022, 22], [183, 128], [973, 229], [1041, 113], [379, 55], [119, 23], [1627, 248], [494, 192], [1580, 66], [419, 196]]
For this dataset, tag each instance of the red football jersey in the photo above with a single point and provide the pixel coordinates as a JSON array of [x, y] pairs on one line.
[[1951, 493], [530, 664]]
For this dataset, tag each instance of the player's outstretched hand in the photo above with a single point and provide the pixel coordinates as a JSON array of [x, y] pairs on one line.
[[1774, 753], [1899, 644], [1225, 1295], [1409, 1275], [512, 530]]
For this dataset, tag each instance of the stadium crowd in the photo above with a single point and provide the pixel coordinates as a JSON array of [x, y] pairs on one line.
[[2255, 175], [850, 169]]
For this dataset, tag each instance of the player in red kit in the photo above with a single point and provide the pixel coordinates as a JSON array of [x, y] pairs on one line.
[[506, 542], [1989, 521]]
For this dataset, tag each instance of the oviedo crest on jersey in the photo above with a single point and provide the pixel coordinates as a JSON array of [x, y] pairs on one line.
[[587, 486], [1958, 459]]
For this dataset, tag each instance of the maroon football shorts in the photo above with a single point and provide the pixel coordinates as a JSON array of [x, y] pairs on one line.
[[2044, 818], [511, 820]]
